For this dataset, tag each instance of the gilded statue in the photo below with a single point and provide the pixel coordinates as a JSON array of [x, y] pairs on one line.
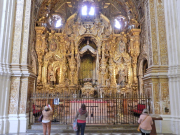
[[122, 77], [52, 78]]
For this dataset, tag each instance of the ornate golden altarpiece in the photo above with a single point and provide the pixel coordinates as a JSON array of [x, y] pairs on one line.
[[60, 54]]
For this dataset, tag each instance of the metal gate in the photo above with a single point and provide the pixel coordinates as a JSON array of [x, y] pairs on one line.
[[118, 109]]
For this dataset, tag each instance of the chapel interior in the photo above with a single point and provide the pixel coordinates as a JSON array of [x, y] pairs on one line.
[[89, 48]]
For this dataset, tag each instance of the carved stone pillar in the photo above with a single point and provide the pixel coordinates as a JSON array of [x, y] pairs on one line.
[[134, 65], [60, 74], [134, 50], [98, 63], [112, 71], [103, 65], [64, 70], [72, 64], [40, 62], [129, 73], [44, 72], [141, 85], [40, 46], [97, 66]]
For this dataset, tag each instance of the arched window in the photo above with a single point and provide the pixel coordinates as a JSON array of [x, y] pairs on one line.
[[55, 21], [117, 24], [87, 10], [120, 24]]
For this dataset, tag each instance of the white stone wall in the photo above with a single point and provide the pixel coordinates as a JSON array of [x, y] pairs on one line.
[[14, 71], [172, 10], [6, 35]]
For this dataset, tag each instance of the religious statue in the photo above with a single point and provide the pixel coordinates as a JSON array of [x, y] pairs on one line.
[[51, 77], [122, 77]]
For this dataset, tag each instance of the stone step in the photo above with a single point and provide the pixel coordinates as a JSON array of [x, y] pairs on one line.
[[87, 131], [37, 128], [57, 126]]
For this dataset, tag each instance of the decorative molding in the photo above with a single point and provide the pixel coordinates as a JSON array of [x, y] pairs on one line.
[[162, 33], [153, 32], [18, 28]]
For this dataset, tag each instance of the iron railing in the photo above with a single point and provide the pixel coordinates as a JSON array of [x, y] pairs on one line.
[[117, 109]]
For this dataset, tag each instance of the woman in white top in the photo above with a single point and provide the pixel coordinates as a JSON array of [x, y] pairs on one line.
[[47, 117]]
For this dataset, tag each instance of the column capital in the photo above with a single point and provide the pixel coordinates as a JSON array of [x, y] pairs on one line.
[[40, 30], [135, 32]]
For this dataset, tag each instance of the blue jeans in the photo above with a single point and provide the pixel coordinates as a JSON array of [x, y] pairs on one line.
[[82, 127]]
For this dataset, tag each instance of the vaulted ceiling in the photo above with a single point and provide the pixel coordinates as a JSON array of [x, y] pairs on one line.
[[110, 8]]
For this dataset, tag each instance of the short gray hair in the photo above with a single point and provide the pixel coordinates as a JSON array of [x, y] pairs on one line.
[[46, 108], [145, 111]]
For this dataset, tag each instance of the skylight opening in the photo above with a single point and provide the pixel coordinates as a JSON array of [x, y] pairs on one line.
[[58, 23], [84, 10], [117, 24], [92, 11]]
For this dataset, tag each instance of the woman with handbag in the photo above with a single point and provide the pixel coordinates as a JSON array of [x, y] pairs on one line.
[[81, 116], [47, 117], [145, 123]]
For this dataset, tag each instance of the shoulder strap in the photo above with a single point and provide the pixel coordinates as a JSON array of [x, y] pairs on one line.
[[143, 120]]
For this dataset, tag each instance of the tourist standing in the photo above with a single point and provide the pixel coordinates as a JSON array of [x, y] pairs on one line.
[[145, 122], [47, 117], [81, 116]]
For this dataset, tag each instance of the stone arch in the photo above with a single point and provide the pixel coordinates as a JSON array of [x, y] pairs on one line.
[[140, 73], [57, 68], [94, 39]]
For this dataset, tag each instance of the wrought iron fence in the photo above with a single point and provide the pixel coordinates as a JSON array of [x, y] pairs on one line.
[[118, 109]]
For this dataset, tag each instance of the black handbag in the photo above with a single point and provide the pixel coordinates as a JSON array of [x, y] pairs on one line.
[[40, 118]]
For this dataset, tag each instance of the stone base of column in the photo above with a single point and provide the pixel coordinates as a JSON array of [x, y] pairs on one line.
[[175, 125], [164, 126], [18, 123], [3, 126]]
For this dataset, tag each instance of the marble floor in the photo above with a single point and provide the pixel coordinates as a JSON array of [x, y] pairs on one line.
[[75, 134], [84, 134]]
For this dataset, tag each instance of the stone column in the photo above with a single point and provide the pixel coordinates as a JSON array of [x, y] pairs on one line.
[[172, 19], [156, 76], [6, 36], [22, 76]]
